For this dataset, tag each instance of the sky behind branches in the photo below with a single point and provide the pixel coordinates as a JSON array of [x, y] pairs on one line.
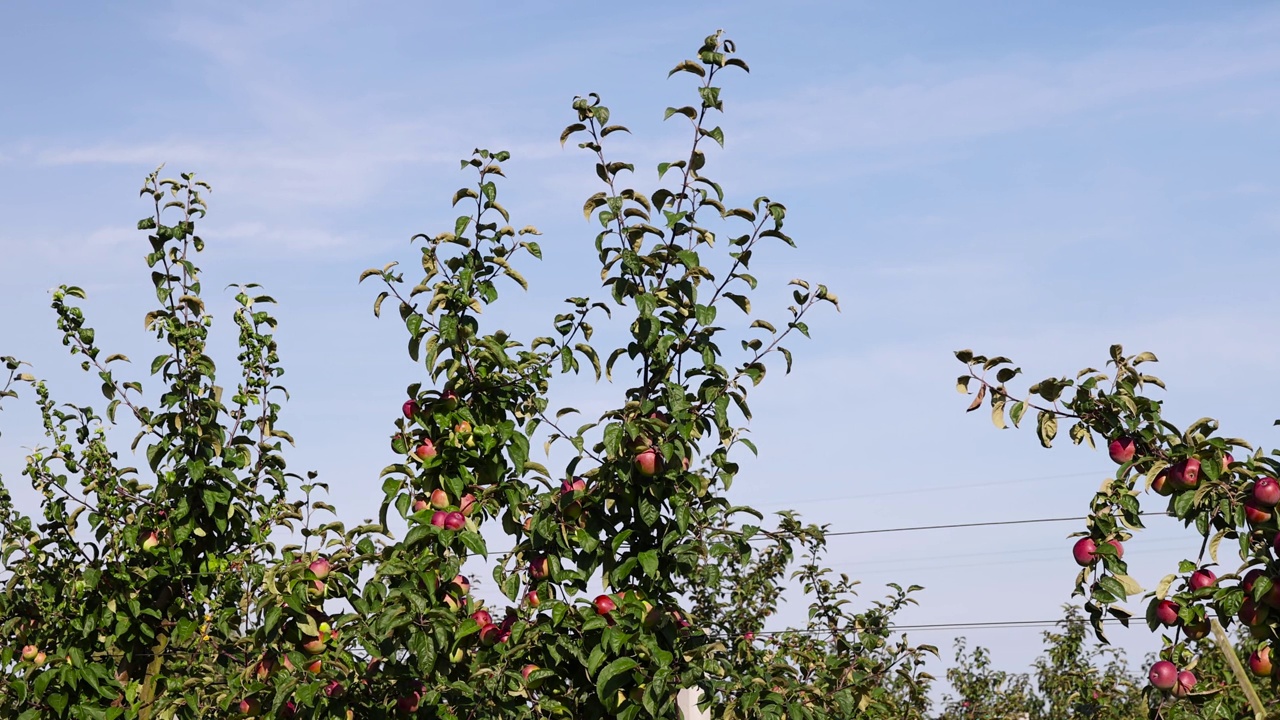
[[1033, 180]]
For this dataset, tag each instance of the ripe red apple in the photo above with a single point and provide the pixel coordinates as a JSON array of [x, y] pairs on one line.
[[490, 635], [1266, 492], [1202, 578], [1184, 474], [467, 504], [1122, 449], [1252, 614], [1249, 579], [539, 567], [29, 652], [462, 583], [1161, 484], [1196, 630], [1163, 675], [454, 521], [313, 646], [1167, 613], [1085, 551], [749, 636], [149, 540], [410, 408], [604, 605], [264, 668], [532, 598], [482, 617], [1186, 681], [1255, 513], [426, 449], [437, 518], [648, 462], [448, 401], [439, 499], [249, 706], [409, 703], [528, 670], [1119, 548], [314, 666], [420, 504], [333, 689], [1260, 661], [576, 485], [320, 567]]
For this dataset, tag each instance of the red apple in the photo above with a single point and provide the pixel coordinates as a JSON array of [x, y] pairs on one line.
[[1163, 675], [1202, 578], [1266, 492], [1196, 630], [1252, 614], [409, 703], [532, 598], [313, 646], [1085, 551], [149, 540], [264, 668], [333, 689], [320, 567], [462, 428], [1161, 484], [1121, 450], [1249, 579], [1167, 613], [1184, 474], [482, 617], [748, 636], [448, 401], [539, 567], [648, 462], [29, 652], [314, 667], [467, 504], [410, 408], [604, 605], [437, 518], [1254, 513], [39, 658], [1119, 548], [1260, 661], [490, 635], [421, 504], [576, 485], [1186, 681], [454, 521], [462, 583], [528, 670], [249, 706], [439, 499], [426, 449]]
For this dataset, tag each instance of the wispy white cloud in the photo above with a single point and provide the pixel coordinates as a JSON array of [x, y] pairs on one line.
[[940, 103]]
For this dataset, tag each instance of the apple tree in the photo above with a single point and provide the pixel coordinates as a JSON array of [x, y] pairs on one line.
[[1219, 488], [212, 581]]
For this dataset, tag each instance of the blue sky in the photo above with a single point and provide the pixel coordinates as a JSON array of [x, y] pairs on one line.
[[1036, 180]]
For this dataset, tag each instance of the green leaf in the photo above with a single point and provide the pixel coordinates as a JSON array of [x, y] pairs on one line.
[[612, 678]]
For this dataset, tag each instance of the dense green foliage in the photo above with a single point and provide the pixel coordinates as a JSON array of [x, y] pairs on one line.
[[164, 591]]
